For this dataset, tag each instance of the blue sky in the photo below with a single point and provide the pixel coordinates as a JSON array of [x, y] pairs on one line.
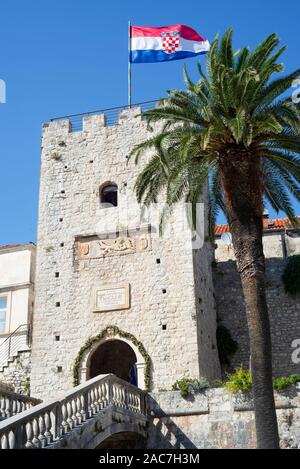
[[63, 57]]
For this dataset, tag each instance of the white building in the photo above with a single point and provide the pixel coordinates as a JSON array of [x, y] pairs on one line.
[[17, 270]]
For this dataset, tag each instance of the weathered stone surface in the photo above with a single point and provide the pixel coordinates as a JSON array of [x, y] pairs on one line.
[[101, 427], [216, 419], [284, 314], [17, 373]]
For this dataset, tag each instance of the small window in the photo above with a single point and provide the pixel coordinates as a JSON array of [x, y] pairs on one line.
[[3, 313], [109, 195]]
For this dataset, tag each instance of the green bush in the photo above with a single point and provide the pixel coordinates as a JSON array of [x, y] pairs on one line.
[[280, 384], [188, 385], [239, 381], [291, 276]]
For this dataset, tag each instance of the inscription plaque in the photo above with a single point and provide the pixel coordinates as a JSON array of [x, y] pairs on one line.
[[112, 298]]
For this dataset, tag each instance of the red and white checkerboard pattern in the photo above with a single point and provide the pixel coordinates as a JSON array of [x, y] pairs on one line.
[[171, 43]]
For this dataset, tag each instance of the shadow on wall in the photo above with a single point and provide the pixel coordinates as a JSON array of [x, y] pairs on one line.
[[163, 433], [284, 313]]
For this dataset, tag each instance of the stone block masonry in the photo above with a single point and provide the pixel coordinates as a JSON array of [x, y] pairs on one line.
[[80, 253], [284, 310], [17, 373], [216, 419]]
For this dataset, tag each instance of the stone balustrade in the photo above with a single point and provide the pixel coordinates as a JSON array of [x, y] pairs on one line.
[[12, 404], [45, 423]]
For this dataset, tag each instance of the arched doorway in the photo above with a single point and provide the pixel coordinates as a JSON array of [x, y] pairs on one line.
[[114, 356], [82, 366], [123, 440]]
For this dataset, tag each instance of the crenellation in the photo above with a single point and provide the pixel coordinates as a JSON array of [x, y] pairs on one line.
[[94, 122]]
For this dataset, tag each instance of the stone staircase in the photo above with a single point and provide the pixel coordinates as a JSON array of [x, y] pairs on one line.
[[14, 345], [83, 418]]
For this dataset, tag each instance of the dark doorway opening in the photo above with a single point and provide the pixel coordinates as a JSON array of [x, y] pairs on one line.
[[117, 357], [123, 440]]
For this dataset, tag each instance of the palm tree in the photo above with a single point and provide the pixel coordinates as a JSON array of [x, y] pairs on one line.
[[237, 128]]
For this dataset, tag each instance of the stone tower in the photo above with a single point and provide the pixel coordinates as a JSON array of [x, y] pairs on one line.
[[111, 296]]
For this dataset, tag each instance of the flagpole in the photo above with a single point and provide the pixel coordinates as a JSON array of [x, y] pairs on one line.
[[129, 64]]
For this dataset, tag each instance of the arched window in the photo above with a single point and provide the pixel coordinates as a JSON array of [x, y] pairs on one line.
[[109, 195]]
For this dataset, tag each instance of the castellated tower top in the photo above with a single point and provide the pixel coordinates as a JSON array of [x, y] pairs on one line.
[[120, 298]]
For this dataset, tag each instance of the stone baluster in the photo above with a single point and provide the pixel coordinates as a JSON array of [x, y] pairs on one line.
[[119, 395], [124, 397], [7, 407], [100, 397], [64, 423], [42, 427], [84, 406], [56, 417], [19, 406], [133, 402], [78, 409], [69, 415], [114, 395], [110, 392], [93, 407], [128, 399], [29, 435], [13, 407], [20, 436], [48, 435], [35, 429], [105, 394], [4, 442], [74, 412], [2, 407], [96, 394], [90, 411], [11, 439], [137, 402]]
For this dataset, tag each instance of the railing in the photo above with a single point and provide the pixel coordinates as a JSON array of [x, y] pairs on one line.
[[14, 343], [48, 422], [12, 404], [111, 114]]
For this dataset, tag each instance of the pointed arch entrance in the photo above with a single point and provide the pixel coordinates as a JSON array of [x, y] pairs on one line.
[[113, 351]]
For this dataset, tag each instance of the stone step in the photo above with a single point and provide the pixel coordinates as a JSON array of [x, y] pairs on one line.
[[12, 359]]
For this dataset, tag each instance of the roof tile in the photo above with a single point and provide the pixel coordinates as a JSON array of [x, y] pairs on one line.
[[276, 224]]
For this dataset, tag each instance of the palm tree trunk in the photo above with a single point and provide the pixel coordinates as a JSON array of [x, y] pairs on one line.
[[242, 189]]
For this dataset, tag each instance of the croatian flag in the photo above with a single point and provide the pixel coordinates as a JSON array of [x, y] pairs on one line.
[[165, 43]]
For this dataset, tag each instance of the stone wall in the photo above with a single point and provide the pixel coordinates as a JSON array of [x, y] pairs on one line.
[[284, 310], [17, 373], [205, 303], [216, 419], [78, 252]]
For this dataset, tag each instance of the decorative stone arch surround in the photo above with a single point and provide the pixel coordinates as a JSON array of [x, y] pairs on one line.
[[82, 361]]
